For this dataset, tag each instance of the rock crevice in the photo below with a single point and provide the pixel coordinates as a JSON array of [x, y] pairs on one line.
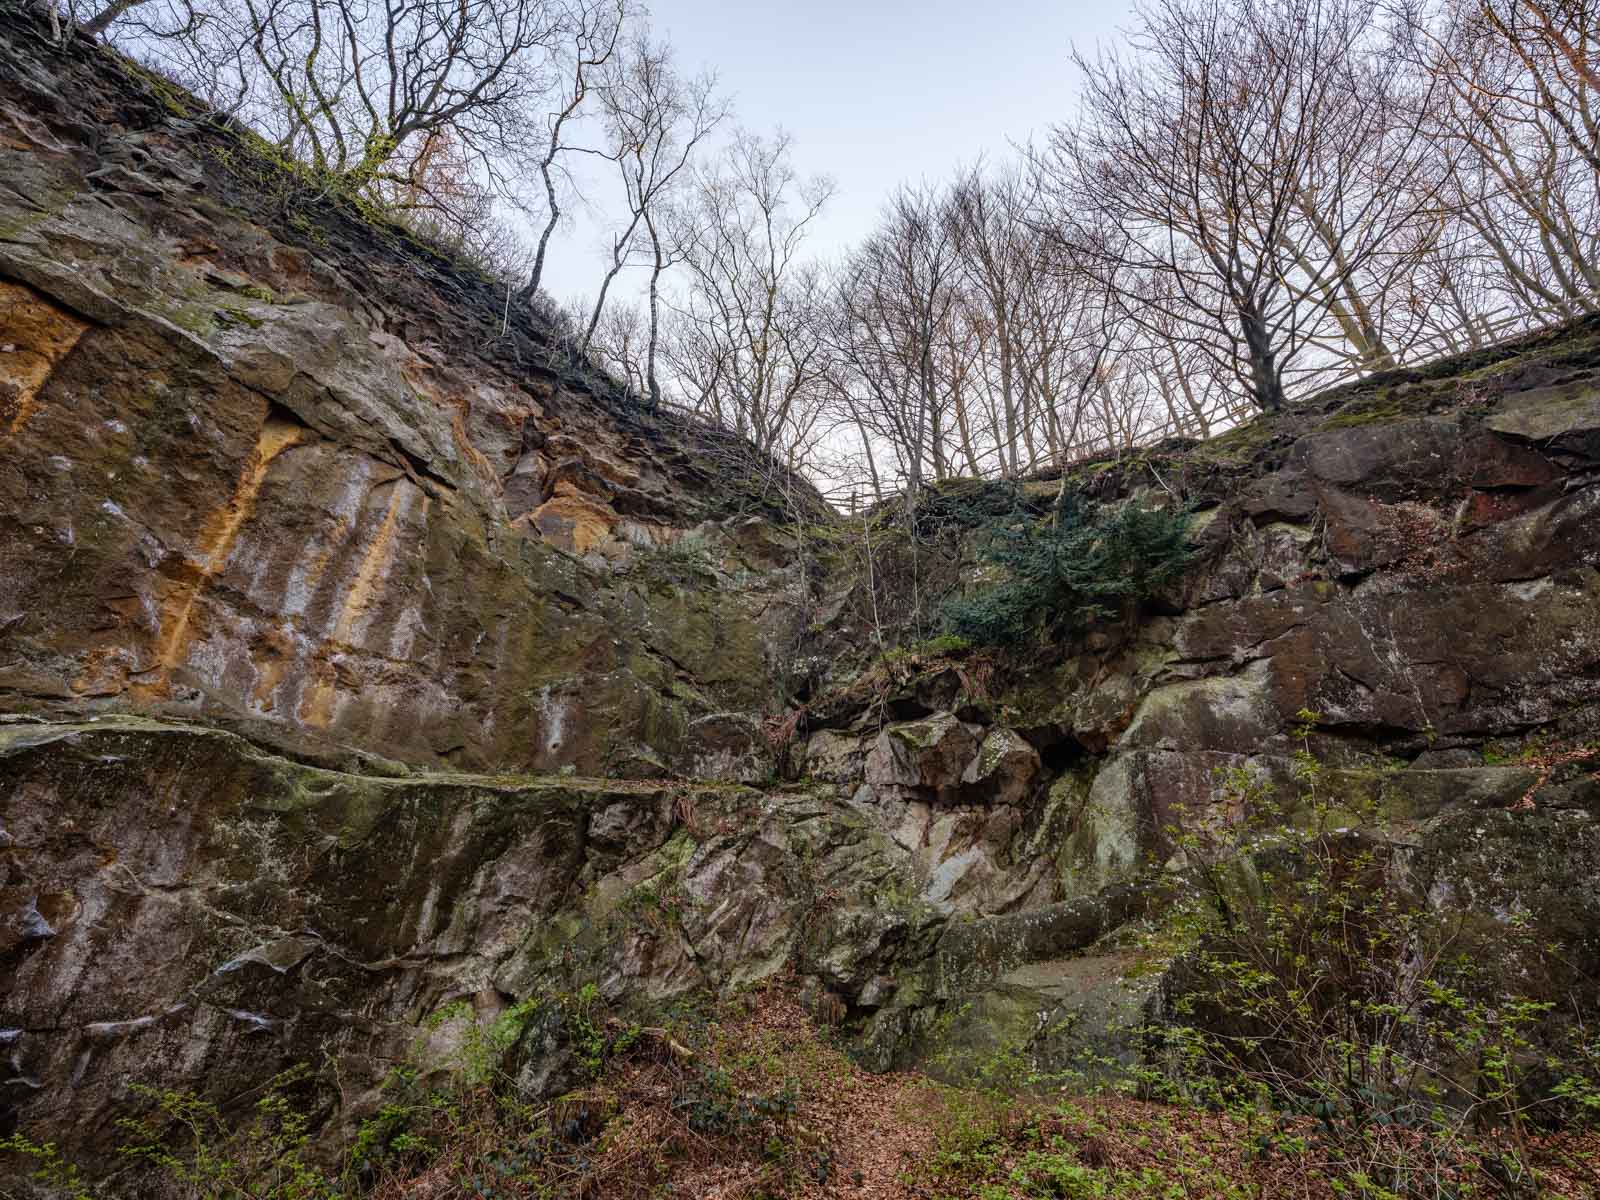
[[362, 660]]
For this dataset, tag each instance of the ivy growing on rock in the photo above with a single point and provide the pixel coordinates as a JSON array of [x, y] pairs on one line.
[[1083, 563]]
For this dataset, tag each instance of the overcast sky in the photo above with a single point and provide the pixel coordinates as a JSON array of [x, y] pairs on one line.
[[874, 92]]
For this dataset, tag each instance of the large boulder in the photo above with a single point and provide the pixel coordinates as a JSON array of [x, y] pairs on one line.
[[925, 759], [942, 760]]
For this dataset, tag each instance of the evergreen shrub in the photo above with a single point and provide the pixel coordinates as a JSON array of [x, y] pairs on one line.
[[1085, 563]]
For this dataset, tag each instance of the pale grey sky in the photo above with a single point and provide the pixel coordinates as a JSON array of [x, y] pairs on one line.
[[875, 92]]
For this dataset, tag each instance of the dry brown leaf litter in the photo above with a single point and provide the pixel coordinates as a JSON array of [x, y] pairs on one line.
[[880, 1136]]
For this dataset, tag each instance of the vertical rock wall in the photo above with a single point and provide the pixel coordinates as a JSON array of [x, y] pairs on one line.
[[272, 465], [308, 557]]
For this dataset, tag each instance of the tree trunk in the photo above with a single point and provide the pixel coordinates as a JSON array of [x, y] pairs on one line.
[[531, 288], [653, 401], [1265, 385]]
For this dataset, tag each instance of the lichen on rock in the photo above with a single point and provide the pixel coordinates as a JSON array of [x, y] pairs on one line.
[[372, 667]]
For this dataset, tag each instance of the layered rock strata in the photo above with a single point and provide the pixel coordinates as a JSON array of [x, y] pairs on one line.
[[371, 666]]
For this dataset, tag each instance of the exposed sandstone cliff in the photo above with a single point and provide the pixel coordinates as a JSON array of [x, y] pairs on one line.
[[272, 465], [1412, 559], [360, 655]]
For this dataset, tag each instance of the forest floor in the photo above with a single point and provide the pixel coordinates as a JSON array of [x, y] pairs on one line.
[[759, 1103]]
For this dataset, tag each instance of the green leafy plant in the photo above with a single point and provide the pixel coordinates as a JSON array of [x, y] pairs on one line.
[[49, 1168], [710, 1103], [1082, 565], [1322, 986], [943, 644], [188, 1140]]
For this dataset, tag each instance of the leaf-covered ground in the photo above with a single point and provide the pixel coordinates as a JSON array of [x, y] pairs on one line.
[[755, 1101]]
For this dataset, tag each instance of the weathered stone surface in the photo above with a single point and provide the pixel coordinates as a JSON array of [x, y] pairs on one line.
[[221, 913], [1569, 413], [39, 336], [838, 758], [1004, 770], [183, 910], [1540, 866], [926, 759], [1067, 1023], [240, 486], [1381, 458], [1397, 586], [972, 953], [573, 521], [1218, 713], [293, 478]]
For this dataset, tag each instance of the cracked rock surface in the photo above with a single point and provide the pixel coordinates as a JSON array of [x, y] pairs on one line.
[[370, 665]]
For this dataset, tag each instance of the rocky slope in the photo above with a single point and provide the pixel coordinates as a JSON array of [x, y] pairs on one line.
[[274, 466], [1409, 563], [369, 667]]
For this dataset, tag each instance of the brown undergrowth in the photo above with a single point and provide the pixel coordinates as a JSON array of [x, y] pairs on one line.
[[752, 1100], [1118, 1148], [756, 1102]]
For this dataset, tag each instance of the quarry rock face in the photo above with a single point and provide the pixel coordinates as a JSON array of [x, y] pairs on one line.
[[370, 666], [182, 909], [246, 479]]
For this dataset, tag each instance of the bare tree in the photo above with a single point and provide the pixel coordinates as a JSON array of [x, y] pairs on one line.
[[69, 16], [655, 119], [1556, 43], [1237, 175], [746, 345], [619, 344], [993, 241], [1519, 106], [591, 32], [437, 193], [895, 293], [349, 86], [106, 17]]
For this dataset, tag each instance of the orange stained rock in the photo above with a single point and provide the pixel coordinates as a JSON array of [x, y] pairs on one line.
[[217, 537], [574, 521], [317, 707], [430, 389], [458, 428], [35, 336], [380, 552]]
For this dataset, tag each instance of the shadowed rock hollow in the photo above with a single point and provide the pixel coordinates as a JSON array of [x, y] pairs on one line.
[[359, 656]]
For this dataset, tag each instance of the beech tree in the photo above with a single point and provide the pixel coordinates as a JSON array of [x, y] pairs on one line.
[[745, 341], [890, 301], [1238, 172], [996, 256], [1519, 112]]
